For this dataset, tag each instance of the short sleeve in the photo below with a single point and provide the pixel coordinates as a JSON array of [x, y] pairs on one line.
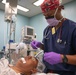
[[74, 40], [44, 33], [43, 38]]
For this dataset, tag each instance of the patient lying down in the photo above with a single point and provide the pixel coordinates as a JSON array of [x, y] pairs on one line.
[[24, 66]]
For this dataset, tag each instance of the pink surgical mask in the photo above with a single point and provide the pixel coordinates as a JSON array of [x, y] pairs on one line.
[[53, 21]]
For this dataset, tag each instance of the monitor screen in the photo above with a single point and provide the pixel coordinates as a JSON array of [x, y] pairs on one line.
[[29, 31]]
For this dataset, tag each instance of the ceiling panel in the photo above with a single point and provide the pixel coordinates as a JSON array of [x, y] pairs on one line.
[[34, 10]]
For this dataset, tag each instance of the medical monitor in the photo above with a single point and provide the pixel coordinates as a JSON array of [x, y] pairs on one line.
[[29, 31]]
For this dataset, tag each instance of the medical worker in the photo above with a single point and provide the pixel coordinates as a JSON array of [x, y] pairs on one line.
[[59, 42]]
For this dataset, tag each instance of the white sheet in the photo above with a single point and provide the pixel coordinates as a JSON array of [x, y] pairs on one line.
[[5, 69], [45, 74]]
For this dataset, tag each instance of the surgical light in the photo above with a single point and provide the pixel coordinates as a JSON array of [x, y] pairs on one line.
[[18, 7]]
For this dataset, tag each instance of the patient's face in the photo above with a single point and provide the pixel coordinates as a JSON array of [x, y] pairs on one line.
[[31, 63]]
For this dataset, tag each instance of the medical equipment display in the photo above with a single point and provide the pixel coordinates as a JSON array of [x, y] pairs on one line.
[[27, 35], [28, 31]]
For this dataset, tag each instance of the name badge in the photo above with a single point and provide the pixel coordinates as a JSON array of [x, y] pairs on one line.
[[53, 30]]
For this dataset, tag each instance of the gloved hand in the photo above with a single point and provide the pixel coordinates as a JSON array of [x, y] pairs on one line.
[[35, 44], [52, 58]]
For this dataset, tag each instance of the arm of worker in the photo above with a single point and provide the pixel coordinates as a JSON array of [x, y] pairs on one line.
[[55, 58], [36, 44], [71, 59]]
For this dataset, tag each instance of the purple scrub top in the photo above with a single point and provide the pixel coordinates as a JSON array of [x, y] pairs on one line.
[[67, 46]]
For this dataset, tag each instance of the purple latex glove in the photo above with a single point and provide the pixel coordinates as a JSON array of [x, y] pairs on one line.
[[52, 58], [35, 44]]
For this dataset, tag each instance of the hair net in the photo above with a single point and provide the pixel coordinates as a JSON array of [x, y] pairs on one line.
[[49, 5]]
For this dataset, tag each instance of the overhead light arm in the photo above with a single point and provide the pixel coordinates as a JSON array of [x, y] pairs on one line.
[[18, 6]]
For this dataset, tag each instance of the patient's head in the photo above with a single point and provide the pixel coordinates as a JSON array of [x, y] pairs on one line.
[[29, 66]]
